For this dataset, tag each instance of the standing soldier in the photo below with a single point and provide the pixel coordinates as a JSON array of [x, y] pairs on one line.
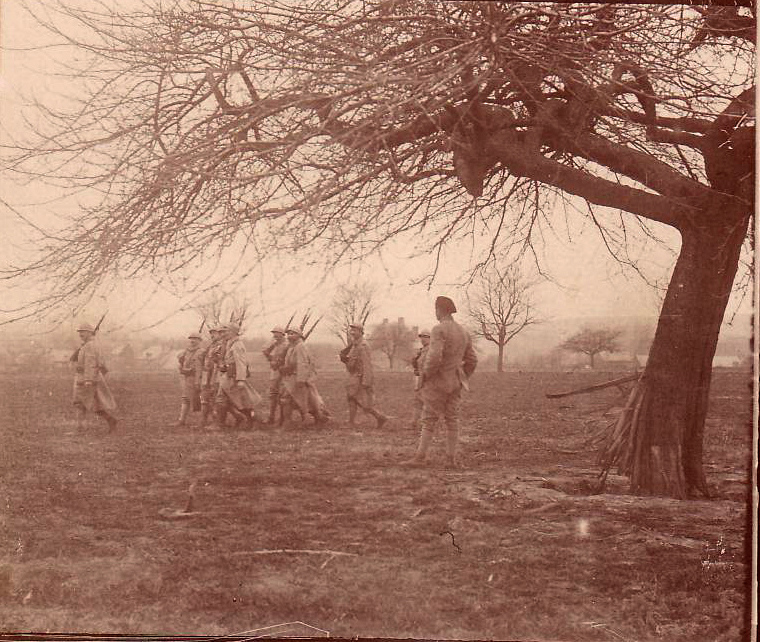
[[299, 375], [239, 395], [360, 387], [190, 367], [210, 374], [417, 362], [447, 367], [91, 392], [275, 354]]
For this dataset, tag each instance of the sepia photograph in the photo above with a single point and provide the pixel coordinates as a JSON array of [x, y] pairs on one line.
[[401, 319]]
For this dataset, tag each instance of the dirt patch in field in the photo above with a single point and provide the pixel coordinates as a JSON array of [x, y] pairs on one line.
[[154, 528]]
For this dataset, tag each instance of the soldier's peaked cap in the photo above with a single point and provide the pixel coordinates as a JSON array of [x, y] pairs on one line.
[[85, 327], [424, 333], [445, 304], [357, 326], [193, 335], [295, 331], [278, 328]]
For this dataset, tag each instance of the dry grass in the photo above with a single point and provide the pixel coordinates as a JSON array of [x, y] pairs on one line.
[[513, 547]]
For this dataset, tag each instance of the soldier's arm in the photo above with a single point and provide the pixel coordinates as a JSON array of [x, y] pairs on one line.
[[302, 368], [470, 358], [366, 367], [89, 363], [434, 356], [240, 363]]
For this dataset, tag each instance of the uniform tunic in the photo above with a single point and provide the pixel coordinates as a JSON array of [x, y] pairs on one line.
[[360, 386], [191, 368], [91, 367], [236, 371], [298, 380], [449, 362], [275, 353]]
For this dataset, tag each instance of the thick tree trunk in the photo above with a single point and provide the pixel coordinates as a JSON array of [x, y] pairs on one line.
[[665, 415]]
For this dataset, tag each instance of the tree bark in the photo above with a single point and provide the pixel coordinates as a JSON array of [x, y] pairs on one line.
[[667, 417], [500, 362]]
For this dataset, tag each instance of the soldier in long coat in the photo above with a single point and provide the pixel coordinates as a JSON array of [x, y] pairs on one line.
[[360, 389], [299, 375], [275, 355], [212, 359], [447, 367], [91, 392], [191, 369], [417, 361], [239, 394]]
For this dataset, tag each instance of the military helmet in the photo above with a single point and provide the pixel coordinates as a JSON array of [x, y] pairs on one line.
[[85, 327]]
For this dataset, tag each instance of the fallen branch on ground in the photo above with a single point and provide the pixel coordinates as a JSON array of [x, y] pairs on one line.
[[598, 386]]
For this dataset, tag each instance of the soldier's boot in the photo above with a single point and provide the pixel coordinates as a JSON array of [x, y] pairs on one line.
[[240, 418], [452, 441], [221, 415], [183, 412], [286, 412], [352, 408], [110, 419], [81, 414], [274, 404], [379, 417], [420, 457]]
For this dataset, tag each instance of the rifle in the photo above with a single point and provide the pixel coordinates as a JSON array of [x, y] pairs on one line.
[[75, 355], [203, 324]]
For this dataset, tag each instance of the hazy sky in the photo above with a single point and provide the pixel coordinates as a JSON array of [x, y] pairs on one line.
[[588, 282]]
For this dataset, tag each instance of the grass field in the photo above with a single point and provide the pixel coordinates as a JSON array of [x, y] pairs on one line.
[[512, 547]]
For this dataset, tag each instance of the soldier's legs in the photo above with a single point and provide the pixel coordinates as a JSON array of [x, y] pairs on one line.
[[110, 419], [451, 420], [81, 415], [352, 408], [274, 400], [183, 412], [431, 413]]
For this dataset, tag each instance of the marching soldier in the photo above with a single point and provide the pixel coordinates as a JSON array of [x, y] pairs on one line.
[[417, 362], [240, 397], [360, 388], [299, 375], [212, 359], [445, 372], [275, 354], [190, 367], [91, 392]]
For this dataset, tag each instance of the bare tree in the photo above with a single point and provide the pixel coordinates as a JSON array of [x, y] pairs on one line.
[[592, 341], [352, 303], [500, 306], [395, 340], [332, 128]]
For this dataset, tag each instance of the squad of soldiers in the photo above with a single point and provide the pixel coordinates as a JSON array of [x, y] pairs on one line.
[[215, 380]]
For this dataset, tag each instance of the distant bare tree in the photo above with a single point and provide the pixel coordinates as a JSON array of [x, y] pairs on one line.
[[592, 341], [352, 303], [500, 306], [395, 340]]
